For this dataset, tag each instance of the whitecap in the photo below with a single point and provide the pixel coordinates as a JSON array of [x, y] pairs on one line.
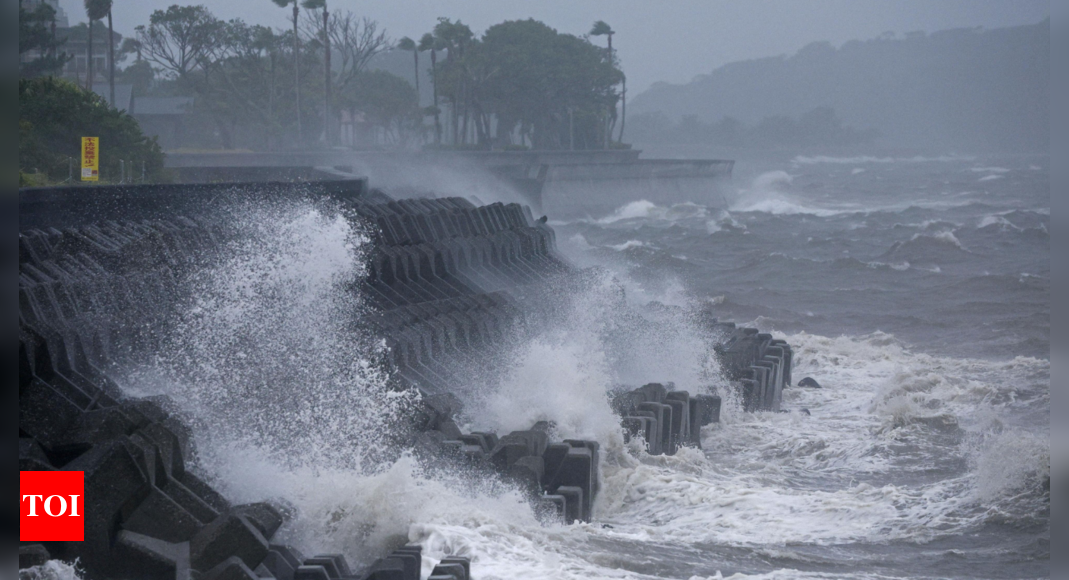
[[997, 220], [810, 160], [628, 245]]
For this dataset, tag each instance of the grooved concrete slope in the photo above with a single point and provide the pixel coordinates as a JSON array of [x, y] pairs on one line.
[[446, 283]]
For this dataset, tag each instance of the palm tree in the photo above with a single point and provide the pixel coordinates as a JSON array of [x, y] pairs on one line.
[[429, 42], [600, 28], [111, 58], [296, 62], [315, 5], [95, 10], [407, 43]]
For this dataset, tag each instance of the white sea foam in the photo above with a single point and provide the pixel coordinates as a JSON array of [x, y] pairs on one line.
[[949, 238], [997, 220], [989, 170], [1008, 461], [724, 222], [945, 237], [644, 209], [579, 242], [635, 209], [780, 205], [810, 160], [769, 194], [265, 348], [990, 177], [51, 570], [753, 490], [628, 245]]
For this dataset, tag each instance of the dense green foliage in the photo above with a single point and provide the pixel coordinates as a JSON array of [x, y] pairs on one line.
[[243, 77], [54, 114], [521, 84], [557, 90], [388, 103]]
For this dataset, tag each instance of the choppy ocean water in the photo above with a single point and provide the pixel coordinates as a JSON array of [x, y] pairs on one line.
[[915, 290]]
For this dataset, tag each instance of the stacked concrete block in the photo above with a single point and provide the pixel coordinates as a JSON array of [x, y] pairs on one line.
[[447, 282], [759, 365], [665, 419], [443, 274], [146, 515], [560, 478]]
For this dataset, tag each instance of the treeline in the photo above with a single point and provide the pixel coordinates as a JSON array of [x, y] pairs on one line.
[[262, 88], [54, 114], [521, 84], [819, 127]]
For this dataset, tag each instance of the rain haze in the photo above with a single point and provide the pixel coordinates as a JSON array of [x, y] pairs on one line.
[[658, 43], [560, 290]]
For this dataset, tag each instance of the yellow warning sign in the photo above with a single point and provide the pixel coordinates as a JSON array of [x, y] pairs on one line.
[[90, 158]]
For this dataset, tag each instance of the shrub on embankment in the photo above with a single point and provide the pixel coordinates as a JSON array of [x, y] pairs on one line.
[[54, 114]]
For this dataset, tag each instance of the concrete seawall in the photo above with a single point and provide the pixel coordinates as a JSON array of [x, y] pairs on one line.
[[561, 183], [447, 281]]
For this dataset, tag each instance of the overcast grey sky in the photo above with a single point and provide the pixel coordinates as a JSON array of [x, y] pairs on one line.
[[666, 40]]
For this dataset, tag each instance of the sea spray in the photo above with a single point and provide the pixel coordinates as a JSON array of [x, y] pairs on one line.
[[286, 395], [268, 349]]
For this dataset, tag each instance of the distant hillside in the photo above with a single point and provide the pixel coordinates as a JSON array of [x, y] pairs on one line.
[[965, 89]]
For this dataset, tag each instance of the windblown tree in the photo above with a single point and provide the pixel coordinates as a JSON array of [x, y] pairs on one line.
[[37, 33], [523, 79], [244, 77], [111, 57], [324, 39], [94, 10], [180, 39], [452, 78], [356, 41], [388, 103], [296, 62], [429, 42], [188, 43], [556, 88], [601, 28], [408, 44]]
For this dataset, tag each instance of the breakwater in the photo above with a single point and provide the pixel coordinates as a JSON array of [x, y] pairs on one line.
[[560, 183], [446, 282]]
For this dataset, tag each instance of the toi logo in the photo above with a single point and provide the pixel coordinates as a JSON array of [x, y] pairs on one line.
[[52, 506]]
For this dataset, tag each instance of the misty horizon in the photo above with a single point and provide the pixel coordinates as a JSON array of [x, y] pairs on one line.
[[722, 34]]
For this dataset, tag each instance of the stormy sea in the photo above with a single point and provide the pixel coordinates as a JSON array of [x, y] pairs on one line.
[[915, 292]]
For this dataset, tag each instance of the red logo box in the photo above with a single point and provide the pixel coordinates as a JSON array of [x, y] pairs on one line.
[[53, 506]]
